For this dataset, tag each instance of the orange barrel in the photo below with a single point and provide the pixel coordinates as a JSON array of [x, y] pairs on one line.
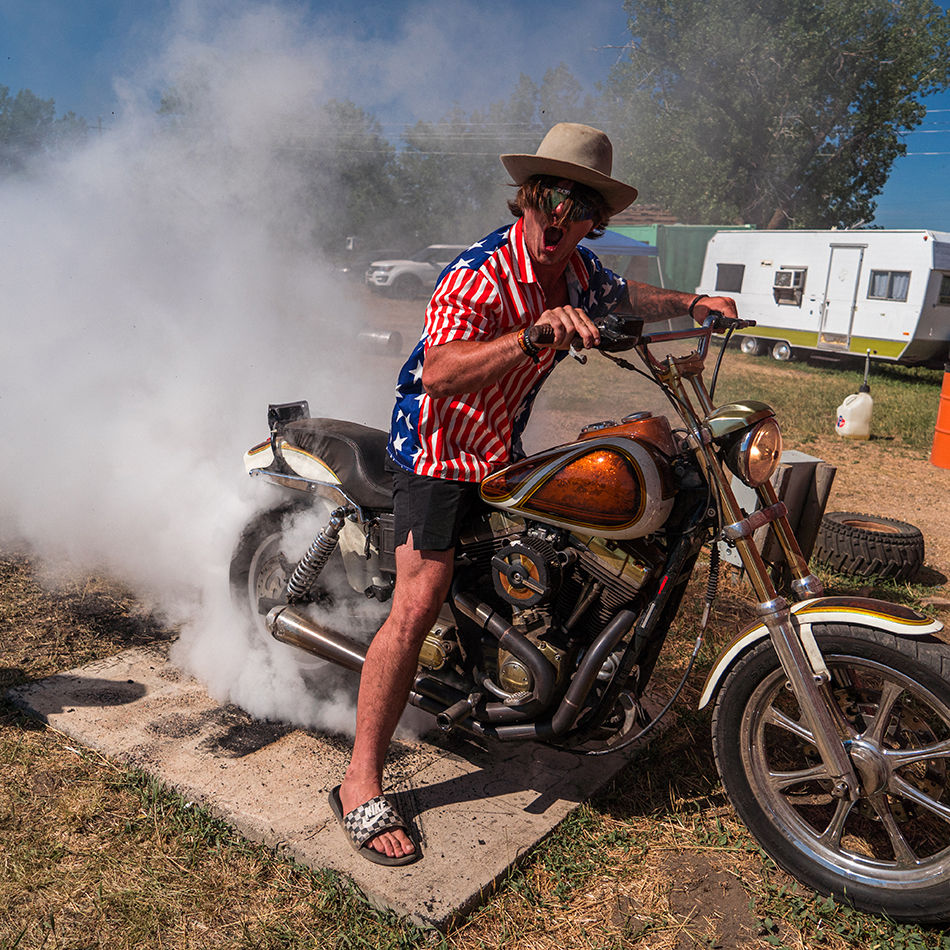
[[940, 453]]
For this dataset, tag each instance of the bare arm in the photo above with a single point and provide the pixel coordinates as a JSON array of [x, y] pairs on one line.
[[466, 366], [655, 303]]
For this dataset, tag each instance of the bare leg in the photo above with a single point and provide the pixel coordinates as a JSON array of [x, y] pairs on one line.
[[422, 581]]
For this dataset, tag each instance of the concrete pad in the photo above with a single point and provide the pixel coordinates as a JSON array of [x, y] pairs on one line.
[[475, 810]]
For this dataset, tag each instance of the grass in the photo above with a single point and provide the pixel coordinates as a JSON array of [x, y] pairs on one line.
[[806, 396], [101, 856], [97, 855]]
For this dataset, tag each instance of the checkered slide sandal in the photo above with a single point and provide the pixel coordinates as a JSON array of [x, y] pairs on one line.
[[368, 820]]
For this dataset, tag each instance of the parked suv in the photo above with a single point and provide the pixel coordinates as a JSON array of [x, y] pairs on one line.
[[353, 265], [411, 278]]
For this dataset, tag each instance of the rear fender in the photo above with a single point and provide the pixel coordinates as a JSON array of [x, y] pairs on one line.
[[298, 471], [901, 621]]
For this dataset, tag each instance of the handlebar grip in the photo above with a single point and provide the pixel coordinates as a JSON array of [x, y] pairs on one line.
[[719, 322], [540, 336]]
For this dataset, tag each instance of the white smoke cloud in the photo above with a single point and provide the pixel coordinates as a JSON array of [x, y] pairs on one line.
[[156, 292]]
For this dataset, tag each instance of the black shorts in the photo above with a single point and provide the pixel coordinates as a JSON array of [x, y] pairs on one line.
[[431, 508]]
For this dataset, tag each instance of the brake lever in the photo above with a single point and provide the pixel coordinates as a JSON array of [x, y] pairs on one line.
[[580, 357]]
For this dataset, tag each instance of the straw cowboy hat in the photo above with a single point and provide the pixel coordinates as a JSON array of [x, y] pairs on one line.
[[579, 153]]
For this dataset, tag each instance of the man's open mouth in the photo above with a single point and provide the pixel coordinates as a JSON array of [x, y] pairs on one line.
[[552, 237]]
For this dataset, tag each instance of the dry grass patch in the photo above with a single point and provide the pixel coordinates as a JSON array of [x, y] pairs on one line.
[[101, 856]]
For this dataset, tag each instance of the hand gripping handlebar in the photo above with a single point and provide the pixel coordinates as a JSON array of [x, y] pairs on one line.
[[623, 331], [618, 331]]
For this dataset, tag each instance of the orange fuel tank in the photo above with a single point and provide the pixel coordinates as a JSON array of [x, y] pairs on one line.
[[609, 484]]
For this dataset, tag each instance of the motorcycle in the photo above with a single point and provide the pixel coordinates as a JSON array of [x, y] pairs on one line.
[[830, 715]]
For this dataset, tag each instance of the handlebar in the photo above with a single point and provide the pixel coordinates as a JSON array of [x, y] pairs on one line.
[[624, 331], [618, 331]]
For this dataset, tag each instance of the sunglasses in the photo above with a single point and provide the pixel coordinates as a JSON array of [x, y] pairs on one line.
[[560, 202]]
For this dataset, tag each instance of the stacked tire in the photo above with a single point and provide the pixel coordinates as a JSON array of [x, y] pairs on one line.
[[869, 546]]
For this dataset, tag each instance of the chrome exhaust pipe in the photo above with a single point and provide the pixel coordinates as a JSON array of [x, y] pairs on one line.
[[291, 626], [385, 341]]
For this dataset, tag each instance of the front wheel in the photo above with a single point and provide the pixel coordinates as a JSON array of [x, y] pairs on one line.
[[406, 287], [889, 851]]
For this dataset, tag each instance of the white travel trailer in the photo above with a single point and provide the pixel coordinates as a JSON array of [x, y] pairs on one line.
[[837, 291]]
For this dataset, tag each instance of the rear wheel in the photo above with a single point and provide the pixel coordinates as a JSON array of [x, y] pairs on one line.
[[267, 554], [752, 346], [260, 567], [782, 352], [889, 851]]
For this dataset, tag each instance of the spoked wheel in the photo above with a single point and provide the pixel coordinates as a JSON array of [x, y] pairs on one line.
[[889, 851], [260, 566]]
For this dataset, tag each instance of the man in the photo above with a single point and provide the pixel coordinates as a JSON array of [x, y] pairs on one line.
[[462, 402]]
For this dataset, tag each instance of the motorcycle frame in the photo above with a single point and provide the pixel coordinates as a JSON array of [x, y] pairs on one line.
[[795, 645]]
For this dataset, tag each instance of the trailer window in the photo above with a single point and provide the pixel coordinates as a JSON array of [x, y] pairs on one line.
[[889, 284], [729, 278], [944, 289]]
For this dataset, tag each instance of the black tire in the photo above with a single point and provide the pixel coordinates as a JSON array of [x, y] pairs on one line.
[[889, 852], [406, 287], [259, 567], [869, 546]]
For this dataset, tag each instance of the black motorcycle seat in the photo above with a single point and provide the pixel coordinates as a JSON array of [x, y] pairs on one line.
[[355, 453]]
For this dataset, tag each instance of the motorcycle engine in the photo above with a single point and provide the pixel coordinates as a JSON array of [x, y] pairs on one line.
[[543, 574], [513, 676]]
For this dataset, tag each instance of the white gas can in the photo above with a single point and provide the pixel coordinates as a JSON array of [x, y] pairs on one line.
[[854, 416]]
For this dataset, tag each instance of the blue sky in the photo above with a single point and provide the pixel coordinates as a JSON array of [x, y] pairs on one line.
[[399, 60]]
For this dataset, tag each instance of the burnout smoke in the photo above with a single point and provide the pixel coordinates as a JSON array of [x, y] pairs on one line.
[[157, 290]]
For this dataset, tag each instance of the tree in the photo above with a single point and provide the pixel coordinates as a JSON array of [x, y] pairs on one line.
[[350, 163], [778, 113], [30, 130]]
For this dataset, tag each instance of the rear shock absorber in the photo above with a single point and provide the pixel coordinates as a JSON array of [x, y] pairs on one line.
[[313, 562]]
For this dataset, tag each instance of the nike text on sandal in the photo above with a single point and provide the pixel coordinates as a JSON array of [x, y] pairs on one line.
[[368, 820]]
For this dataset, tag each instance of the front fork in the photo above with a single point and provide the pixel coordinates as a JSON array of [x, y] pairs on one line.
[[797, 650], [807, 674]]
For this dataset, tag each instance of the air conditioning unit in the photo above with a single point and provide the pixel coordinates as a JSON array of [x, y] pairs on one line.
[[789, 285]]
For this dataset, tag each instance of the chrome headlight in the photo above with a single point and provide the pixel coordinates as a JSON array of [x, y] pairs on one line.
[[754, 454]]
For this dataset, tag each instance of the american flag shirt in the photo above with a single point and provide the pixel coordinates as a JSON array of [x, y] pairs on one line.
[[487, 291]]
